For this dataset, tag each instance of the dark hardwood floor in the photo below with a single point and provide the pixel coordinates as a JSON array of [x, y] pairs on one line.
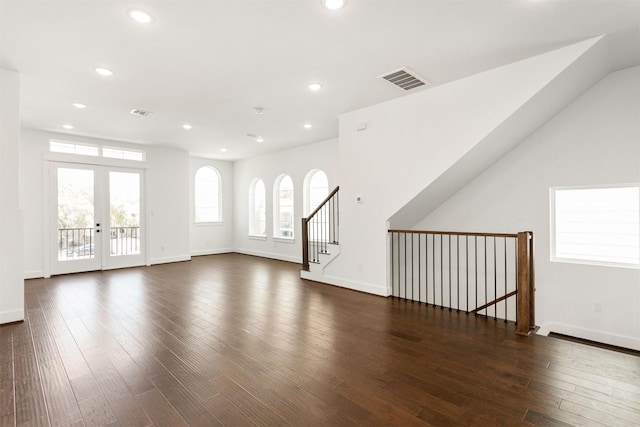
[[242, 341]]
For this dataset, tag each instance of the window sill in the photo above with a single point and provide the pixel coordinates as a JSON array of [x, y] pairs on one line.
[[594, 263], [208, 223], [253, 237], [284, 239]]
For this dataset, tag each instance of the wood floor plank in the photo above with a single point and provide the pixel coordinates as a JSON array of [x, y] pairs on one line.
[[225, 411], [184, 402], [241, 341], [7, 395], [160, 410], [121, 400], [30, 402], [259, 413]]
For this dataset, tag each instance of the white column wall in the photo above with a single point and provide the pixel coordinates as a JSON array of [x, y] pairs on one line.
[[11, 240]]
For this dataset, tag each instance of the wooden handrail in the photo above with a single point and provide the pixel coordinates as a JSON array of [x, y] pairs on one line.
[[319, 236], [454, 233], [489, 304], [335, 190]]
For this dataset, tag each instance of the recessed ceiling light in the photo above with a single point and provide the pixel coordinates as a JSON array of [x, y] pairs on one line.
[[258, 110], [140, 16], [260, 139], [333, 4], [67, 126], [308, 125], [223, 150], [104, 71], [79, 105], [187, 126], [315, 87]]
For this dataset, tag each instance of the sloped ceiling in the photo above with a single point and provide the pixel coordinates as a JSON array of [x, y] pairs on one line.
[[580, 74]]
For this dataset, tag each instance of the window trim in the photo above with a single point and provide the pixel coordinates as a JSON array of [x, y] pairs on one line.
[[306, 196], [276, 209], [219, 194], [552, 227], [252, 210]]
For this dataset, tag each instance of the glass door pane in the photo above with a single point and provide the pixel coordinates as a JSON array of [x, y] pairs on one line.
[[124, 213], [76, 219]]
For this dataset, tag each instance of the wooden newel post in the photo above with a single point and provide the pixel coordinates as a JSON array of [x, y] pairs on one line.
[[532, 285], [305, 244], [524, 292]]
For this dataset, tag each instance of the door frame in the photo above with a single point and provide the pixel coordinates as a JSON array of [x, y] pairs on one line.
[[52, 159], [75, 265]]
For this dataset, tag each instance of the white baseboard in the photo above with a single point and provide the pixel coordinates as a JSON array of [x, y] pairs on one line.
[[168, 260], [590, 334], [35, 274], [349, 284], [270, 255], [203, 252], [11, 316]]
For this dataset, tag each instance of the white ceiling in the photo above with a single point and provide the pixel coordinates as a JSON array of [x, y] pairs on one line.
[[210, 63]]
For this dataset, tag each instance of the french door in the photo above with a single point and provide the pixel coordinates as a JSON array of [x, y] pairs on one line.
[[97, 217]]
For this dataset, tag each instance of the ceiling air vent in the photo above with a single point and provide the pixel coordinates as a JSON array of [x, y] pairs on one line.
[[138, 112], [404, 79]]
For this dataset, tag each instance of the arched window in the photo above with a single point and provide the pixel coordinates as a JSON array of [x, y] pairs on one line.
[[257, 208], [283, 209], [207, 195], [316, 189]]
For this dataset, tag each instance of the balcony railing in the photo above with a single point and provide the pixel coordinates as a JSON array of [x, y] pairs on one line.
[[79, 243]]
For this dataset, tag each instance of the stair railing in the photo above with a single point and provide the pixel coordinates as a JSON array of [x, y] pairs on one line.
[[476, 273], [320, 229]]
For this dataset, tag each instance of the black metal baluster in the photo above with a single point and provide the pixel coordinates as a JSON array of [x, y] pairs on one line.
[[393, 289], [466, 248], [412, 284], [505, 278], [433, 265], [419, 266], [405, 265], [495, 280], [441, 278], [486, 311], [457, 272], [475, 238], [337, 218], [450, 304], [426, 268]]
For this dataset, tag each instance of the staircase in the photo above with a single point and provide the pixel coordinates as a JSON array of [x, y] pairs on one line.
[[320, 237]]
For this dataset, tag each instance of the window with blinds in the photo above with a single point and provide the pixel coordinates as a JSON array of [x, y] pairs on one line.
[[596, 225]]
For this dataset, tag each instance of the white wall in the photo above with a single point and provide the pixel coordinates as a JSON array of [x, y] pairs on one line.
[[167, 182], [411, 141], [295, 162], [11, 241], [596, 140], [212, 238]]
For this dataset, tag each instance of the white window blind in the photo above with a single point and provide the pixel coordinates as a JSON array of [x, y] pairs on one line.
[[596, 225]]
